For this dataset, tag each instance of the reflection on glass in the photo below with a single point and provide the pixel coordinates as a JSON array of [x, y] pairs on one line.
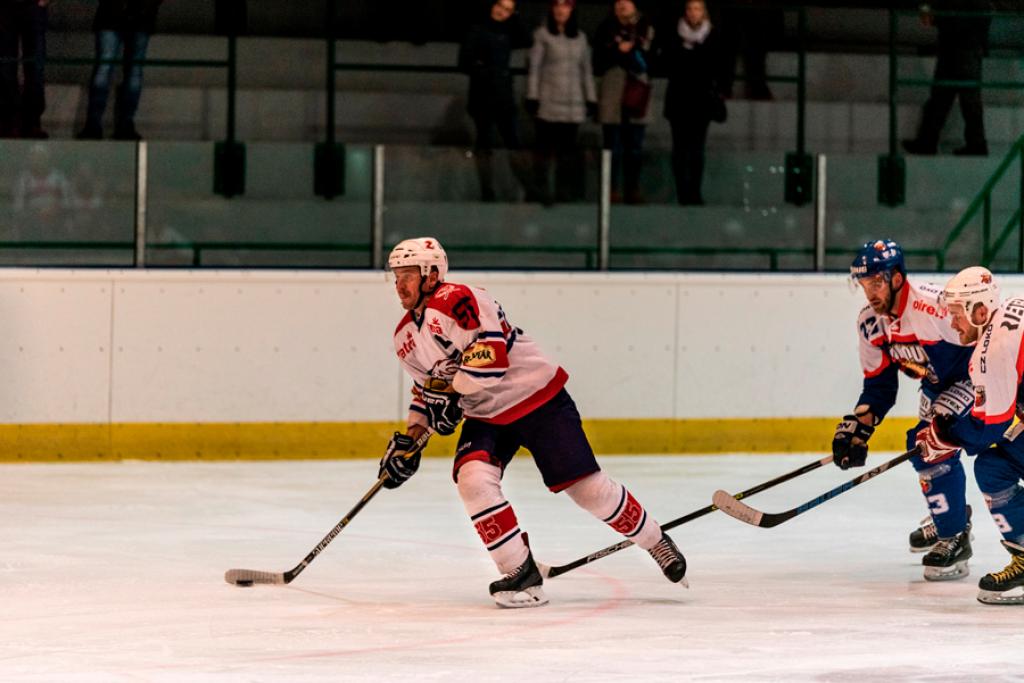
[[277, 222]]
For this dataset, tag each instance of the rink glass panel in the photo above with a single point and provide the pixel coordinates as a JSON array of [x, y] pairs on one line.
[[277, 222], [744, 224], [67, 203], [938, 192], [527, 223]]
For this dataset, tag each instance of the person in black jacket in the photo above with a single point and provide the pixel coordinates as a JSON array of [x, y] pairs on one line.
[[694, 64], [21, 108], [962, 43], [485, 55], [127, 23]]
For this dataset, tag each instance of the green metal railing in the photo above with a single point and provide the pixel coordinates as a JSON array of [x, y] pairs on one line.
[[983, 203], [891, 166]]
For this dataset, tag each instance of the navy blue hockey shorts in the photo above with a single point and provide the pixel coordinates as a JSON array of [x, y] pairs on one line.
[[553, 433]]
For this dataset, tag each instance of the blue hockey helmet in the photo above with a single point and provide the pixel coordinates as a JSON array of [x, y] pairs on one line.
[[880, 256]]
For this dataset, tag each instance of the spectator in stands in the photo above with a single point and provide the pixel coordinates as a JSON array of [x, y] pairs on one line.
[[485, 55], [747, 29], [621, 52], [126, 24], [24, 22], [560, 94], [695, 65], [962, 43], [41, 197]]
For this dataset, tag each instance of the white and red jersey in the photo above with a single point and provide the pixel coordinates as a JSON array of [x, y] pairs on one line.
[[464, 337], [916, 339], [997, 365]]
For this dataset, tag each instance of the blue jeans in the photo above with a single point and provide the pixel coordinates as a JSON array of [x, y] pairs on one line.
[[108, 45]]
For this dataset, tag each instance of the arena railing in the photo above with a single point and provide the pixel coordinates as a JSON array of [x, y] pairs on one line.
[[891, 166]]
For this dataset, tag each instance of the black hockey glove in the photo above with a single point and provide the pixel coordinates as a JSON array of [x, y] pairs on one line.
[[442, 403], [395, 464], [846, 453]]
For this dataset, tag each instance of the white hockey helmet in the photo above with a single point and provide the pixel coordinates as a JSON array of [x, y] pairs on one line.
[[425, 252], [971, 287]]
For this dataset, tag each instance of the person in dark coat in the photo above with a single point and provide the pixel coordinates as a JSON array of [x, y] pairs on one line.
[[694, 62], [485, 55], [622, 45], [21, 108], [962, 44], [119, 23]]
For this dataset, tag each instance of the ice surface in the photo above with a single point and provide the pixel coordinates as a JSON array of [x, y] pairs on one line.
[[114, 572]]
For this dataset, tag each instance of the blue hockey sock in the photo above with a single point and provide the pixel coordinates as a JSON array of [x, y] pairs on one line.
[[945, 490]]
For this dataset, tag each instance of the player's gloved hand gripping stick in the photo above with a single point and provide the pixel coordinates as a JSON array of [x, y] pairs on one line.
[[551, 572], [248, 577], [729, 504]]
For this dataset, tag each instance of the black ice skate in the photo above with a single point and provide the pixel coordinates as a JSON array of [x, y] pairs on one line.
[[521, 587], [924, 537], [671, 561], [996, 587], [948, 559]]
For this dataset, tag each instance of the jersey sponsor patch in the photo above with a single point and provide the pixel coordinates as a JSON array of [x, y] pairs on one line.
[[479, 355]]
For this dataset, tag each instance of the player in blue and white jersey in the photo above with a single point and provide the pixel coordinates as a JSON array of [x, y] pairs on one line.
[[905, 329]]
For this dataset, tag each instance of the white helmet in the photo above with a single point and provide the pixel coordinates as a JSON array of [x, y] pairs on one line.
[[425, 252], [970, 287]]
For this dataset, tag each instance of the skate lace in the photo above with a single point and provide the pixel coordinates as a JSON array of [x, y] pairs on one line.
[[928, 529], [947, 547], [1012, 571], [663, 554]]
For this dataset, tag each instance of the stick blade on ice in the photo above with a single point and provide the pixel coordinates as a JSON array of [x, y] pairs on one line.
[[248, 577]]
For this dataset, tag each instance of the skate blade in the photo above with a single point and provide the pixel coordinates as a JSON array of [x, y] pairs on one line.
[[529, 597], [957, 571], [1004, 598]]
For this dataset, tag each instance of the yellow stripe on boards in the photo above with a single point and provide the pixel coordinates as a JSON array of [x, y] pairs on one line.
[[335, 440]]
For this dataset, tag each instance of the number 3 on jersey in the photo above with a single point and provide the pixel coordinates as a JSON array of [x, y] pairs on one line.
[[937, 504]]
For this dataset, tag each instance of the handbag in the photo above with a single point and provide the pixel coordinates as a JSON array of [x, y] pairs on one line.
[[636, 97]]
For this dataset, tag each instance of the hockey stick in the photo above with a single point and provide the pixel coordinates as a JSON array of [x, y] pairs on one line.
[[743, 512], [248, 577], [551, 572]]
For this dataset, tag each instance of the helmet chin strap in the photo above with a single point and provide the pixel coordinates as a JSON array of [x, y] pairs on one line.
[[424, 294]]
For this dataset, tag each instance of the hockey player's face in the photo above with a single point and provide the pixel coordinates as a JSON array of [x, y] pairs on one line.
[[878, 292], [407, 284], [961, 322]]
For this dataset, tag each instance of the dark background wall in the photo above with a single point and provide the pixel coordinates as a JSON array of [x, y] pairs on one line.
[[834, 25]]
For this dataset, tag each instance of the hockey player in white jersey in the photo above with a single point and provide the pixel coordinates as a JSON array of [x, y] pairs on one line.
[[996, 367], [467, 359], [904, 329]]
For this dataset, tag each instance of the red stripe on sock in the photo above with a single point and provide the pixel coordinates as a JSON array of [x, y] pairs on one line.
[[497, 525], [629, 519]]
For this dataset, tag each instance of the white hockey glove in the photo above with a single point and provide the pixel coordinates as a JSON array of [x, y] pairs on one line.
[[397, 463], [442, 403], [934, 444]]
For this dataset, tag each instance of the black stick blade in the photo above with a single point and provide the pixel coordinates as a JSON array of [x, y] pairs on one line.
[[248, 577]]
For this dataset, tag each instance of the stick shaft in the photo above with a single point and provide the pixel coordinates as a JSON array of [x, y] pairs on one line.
[[253, 576], [750, 515], [621, 545]]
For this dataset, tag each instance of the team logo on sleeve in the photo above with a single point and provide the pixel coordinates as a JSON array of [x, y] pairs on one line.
[[979, 396]]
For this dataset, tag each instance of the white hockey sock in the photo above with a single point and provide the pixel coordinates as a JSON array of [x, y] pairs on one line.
[[492, 516], [614, 505]]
